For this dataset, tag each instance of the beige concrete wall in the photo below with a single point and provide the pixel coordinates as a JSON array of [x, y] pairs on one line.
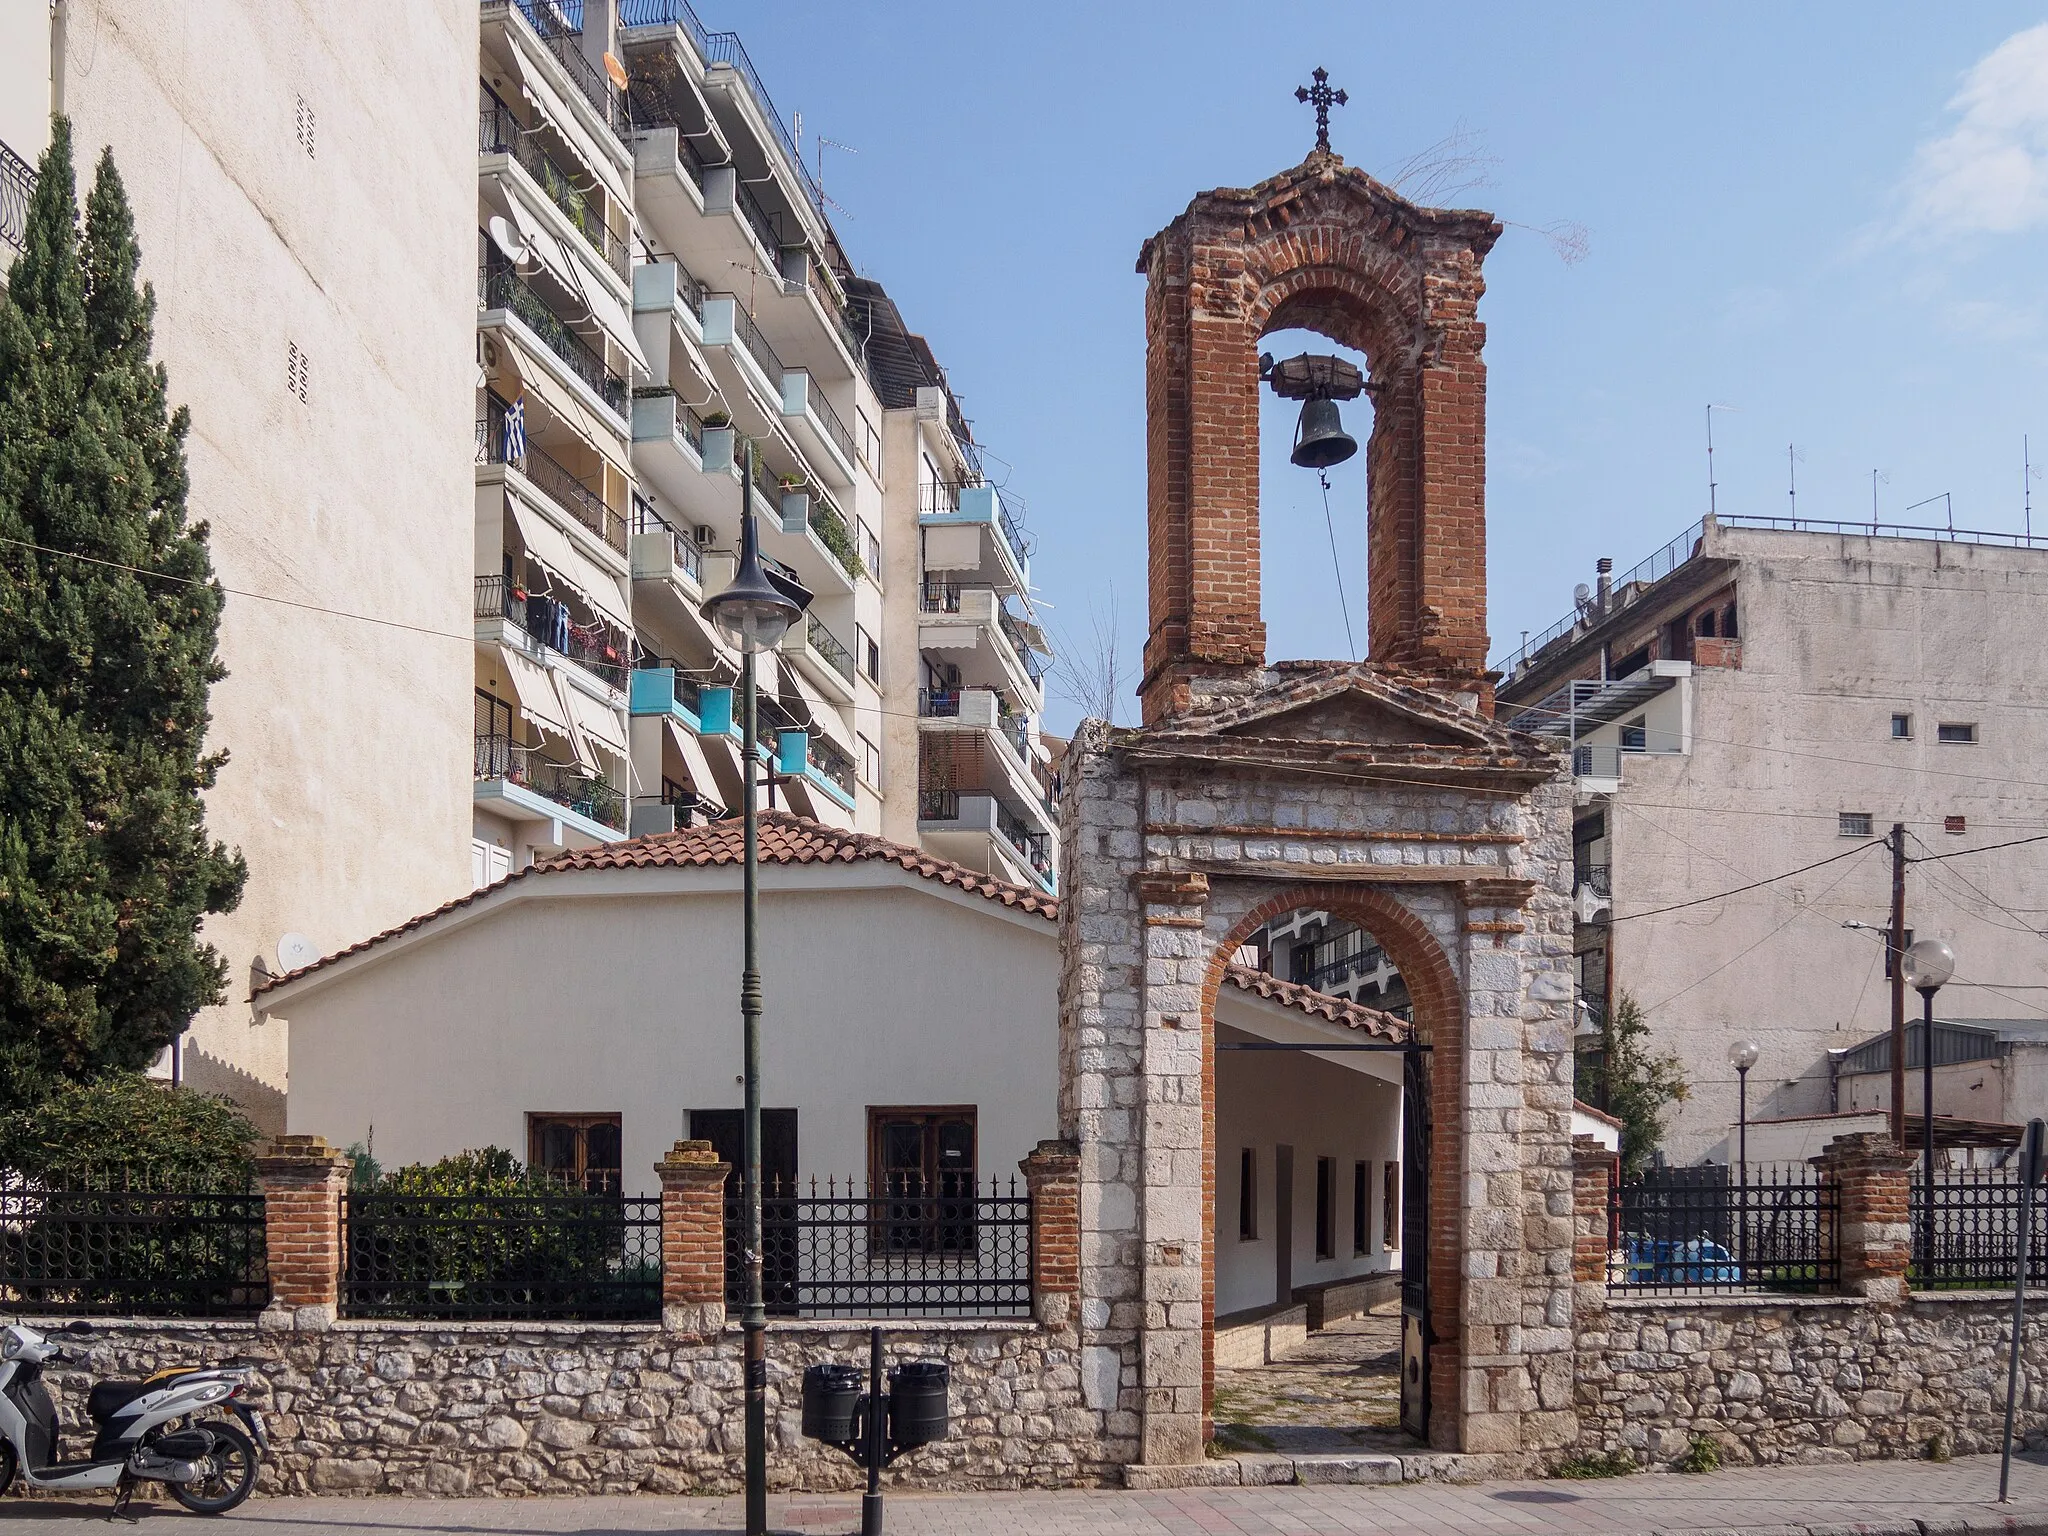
[[1838, 633], [346, 789], [25, 77], [629, 1002]]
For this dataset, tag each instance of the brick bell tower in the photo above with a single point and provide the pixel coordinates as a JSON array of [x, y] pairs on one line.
[[1327, 248]]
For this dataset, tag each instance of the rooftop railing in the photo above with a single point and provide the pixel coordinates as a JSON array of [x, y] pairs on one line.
[[726, 48], [549, 478], [500, 133], [17, 186], [499, 287]]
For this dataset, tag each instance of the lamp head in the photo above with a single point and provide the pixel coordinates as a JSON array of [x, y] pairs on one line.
[[1927, 965], [752, 614], [1742, 1055]]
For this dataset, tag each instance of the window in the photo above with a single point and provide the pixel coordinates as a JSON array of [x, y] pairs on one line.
[[1728, 622], [1247, 1195], [870, 763], [870, 550], [1955, 824], [1632, 663], [1852, 823], [1326, 1177], [1902, 727], [1706, 626], [1956, 735], [1361, 1212], [866, 654], [578, 1151], [1635, 736], [1390, 1205], [921, 1162], [870, 443]]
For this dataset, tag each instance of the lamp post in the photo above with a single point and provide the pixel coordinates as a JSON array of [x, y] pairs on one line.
[[1927, 965], [1742, 1056], [752, 614]]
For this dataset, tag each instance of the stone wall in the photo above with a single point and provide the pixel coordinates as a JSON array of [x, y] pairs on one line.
[[1826, 1379], [501, 1409]]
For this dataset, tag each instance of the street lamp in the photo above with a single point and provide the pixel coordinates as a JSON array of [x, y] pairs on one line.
[[752, 614], [1927, 964], [1742, 1056]]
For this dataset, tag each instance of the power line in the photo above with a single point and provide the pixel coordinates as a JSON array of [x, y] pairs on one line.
[[1847, 853], [1337, 566], [1931, 857]]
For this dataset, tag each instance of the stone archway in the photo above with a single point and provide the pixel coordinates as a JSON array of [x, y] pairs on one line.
[[1439, 1007]]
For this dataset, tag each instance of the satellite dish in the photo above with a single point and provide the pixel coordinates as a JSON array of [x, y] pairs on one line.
[[509, 240], [295, 951]]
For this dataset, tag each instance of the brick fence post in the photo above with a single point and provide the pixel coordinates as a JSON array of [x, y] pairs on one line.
[[1874, 1233], [1052, 1173], [1594, 1175], [303, 1180], [692, 1238]]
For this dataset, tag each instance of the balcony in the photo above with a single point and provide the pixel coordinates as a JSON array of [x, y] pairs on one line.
[[821, 657], [751, 373], [17, 186], [1004, 761], [974, 827], [500, 133], [819, 430], [558, 25], [549, 478], [662, 553], [976, 532], [668, 690], [668, 322], [541, 625], [517, 782], [977, 634], [829, 769], [502, 290], [808, 514]]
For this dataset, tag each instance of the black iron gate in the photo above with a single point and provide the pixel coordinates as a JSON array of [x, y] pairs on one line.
[[1415, 1331]]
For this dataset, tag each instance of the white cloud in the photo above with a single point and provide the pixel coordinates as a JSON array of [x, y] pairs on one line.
[[1989, 173]]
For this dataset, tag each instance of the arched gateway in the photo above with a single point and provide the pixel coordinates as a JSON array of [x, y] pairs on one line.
[[1383, 792]]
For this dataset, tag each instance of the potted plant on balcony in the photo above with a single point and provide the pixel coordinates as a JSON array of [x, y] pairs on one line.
[[720, 443]]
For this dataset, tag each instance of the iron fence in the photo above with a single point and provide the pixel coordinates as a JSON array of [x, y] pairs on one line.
[[17, 185], [133, 1252], [845, 1250], [499, 287], [559, 24], [938, 805], [1976, 1231], [1771, 1227], [573, 1257], [501, 133], [749, 336], [828, 759], [495, 755]]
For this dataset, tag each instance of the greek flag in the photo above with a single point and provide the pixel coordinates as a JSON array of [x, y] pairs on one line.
[[515, 433]]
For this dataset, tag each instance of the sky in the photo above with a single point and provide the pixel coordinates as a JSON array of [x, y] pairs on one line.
[[1830, 219]]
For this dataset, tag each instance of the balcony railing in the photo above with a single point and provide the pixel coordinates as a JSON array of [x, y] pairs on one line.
[[833, 763], [587, 794], [940, 597], [938, 805], [725, 48], [645, 110], [938, 498], [938, 703], [499, 287], [547, 622], [559, 24], [17, 185], [684, 551], [1034, 663], [750, 337], [665, 13], [549, 478], [1032, 847], [827, 645], [1597, 876], [829, 419], [688, 691], [829, 524], [500, 133]]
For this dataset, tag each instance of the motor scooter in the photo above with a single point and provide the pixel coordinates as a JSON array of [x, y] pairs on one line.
[[208, 1464]]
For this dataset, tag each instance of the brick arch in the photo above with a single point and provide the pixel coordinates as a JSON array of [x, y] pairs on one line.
[[1440, 1021], [1327, 248]]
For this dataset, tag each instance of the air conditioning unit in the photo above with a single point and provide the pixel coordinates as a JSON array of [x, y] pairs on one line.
[[706, 535]]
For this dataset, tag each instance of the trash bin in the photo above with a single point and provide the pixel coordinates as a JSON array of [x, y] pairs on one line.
[[917, 1404], [830, 1393]]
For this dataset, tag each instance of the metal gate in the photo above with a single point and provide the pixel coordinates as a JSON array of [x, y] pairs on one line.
[[1415, 1330]]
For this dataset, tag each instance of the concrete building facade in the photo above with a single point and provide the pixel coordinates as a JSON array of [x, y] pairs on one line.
[[1749, 711]]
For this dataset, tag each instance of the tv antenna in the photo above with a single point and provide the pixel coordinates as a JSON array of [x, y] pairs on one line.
[[818, 160], [1947, 502], [1875, 476], [1711, 488], [2028, 475], [1793, 457]]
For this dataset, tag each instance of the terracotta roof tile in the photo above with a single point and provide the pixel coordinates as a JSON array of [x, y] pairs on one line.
[[785, 839], [1338, 1010]]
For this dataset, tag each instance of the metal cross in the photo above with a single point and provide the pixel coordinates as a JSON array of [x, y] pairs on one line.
[[1324, 98]]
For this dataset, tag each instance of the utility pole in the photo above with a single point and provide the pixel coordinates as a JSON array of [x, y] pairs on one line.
[[1895, 949]]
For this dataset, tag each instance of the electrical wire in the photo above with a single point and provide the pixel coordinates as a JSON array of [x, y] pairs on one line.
[[1847, 853]]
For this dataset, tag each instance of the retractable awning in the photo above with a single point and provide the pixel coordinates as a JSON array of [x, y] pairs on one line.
[[569, 565], [695, 763], [535, 690]]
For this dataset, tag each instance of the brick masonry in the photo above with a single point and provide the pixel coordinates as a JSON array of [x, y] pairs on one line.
[[303, 1179], [692, 1238], [1324, 247]]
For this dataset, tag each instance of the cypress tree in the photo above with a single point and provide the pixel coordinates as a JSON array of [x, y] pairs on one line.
[[109, 615]]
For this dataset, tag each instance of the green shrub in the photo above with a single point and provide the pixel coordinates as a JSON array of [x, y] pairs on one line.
[[127, 1131], [1614, 1463], [1702, 1455]]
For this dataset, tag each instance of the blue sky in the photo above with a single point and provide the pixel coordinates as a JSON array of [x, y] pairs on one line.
[[1832, 218]]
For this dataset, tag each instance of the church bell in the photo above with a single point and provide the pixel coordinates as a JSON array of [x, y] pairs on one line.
[[1319, 437]]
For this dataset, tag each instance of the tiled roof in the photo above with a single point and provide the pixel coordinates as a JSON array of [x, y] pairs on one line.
[[785, 839], [1292, 994], [1600, 1114]]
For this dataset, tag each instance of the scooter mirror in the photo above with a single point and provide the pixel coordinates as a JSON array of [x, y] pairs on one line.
[[78, 1326]]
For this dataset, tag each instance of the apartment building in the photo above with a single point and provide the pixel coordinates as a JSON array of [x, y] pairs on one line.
[[301, 177], [659, 288], [1748, 711], [1334, 956], [520, 373]]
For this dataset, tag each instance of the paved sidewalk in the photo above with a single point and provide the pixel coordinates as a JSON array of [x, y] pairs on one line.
[[1882, 1498]]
